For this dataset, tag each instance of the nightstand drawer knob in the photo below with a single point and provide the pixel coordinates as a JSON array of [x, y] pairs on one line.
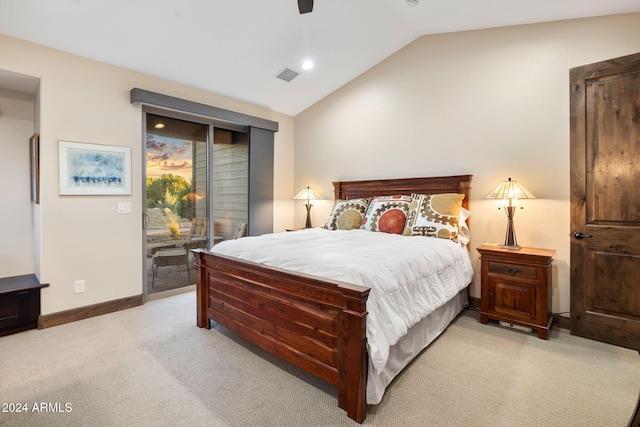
[[511, 271]]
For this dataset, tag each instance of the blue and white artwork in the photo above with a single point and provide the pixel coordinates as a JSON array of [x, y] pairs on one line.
[[94, 169], [88, 168]]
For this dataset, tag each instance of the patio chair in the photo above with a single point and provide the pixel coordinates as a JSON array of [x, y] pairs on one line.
[[197, 234], [165, 257], [241, 230]]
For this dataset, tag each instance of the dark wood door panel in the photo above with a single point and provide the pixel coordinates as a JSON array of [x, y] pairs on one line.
[[596, 326], [605, 201], [612, 148], [607, 308], [614, 289]]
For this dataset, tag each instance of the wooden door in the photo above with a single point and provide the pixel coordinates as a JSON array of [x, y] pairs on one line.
[[605, 201]]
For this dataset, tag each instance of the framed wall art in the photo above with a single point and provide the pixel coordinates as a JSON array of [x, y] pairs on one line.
[[34, 154], [92, 169]]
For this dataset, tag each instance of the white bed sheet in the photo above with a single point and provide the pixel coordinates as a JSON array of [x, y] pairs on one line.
[[409, 277], [409, 346]]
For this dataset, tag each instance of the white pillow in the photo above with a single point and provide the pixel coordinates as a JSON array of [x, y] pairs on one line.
[[464, 234]]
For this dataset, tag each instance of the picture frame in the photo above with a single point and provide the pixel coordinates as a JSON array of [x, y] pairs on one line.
[[93, 169], [34, 155]]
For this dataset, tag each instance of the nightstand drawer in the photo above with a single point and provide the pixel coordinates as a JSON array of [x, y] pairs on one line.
[[513, 270]]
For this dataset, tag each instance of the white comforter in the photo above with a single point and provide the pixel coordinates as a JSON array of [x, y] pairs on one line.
[[409, 277]]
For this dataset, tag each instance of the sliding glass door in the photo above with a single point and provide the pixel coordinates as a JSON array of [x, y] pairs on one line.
[[196, 174], [176, 211]]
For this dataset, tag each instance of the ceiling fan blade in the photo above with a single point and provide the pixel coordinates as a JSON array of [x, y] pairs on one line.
[[305, 6]]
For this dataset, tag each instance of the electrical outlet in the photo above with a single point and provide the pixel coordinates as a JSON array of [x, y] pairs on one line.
[[79, 286]]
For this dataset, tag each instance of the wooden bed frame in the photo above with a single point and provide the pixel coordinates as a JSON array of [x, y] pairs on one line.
[[316, 324]]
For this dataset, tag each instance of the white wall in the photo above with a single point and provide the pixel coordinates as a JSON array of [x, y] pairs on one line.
[[16, 232], [493, 103], [83, 237]]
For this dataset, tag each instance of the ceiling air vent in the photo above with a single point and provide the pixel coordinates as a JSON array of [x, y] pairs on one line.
[[287, 74]]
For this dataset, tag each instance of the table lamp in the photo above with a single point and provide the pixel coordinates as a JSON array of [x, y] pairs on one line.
[[510, 190], [308, 194]]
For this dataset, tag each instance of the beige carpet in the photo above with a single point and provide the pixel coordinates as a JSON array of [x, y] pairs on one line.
[[151, 366]]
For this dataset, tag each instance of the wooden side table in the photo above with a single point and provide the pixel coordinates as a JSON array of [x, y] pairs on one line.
[[516, 287], [19, 303]]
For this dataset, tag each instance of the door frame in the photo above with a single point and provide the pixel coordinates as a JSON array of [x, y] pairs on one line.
[[261, 159]]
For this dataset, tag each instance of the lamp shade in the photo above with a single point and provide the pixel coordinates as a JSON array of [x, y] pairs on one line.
[[307, 194], [507, 190]]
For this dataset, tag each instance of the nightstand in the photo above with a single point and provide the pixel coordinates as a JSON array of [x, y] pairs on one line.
[[516, 287]]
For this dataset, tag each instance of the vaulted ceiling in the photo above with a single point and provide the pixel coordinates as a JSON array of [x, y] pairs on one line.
[[237, 47]]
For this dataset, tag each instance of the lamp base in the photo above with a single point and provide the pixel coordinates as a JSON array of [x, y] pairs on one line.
[[308, 222], [510, 241], [511, 247]]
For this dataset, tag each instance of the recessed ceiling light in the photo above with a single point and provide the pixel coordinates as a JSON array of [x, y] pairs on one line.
[[307, 65], [159, 125]]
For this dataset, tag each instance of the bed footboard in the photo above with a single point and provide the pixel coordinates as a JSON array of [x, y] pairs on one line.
[[315, 324]]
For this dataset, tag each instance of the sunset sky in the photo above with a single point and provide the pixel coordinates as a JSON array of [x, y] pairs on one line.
[[168, 155]]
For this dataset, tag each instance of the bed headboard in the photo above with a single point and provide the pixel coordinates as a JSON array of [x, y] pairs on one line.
[[345, 190]]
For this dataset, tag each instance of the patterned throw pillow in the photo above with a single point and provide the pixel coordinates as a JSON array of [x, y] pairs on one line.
[[347, 214], [387, 214], [434, 215]]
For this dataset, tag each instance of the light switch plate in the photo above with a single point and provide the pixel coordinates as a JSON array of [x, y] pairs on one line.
[[124, 207]]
